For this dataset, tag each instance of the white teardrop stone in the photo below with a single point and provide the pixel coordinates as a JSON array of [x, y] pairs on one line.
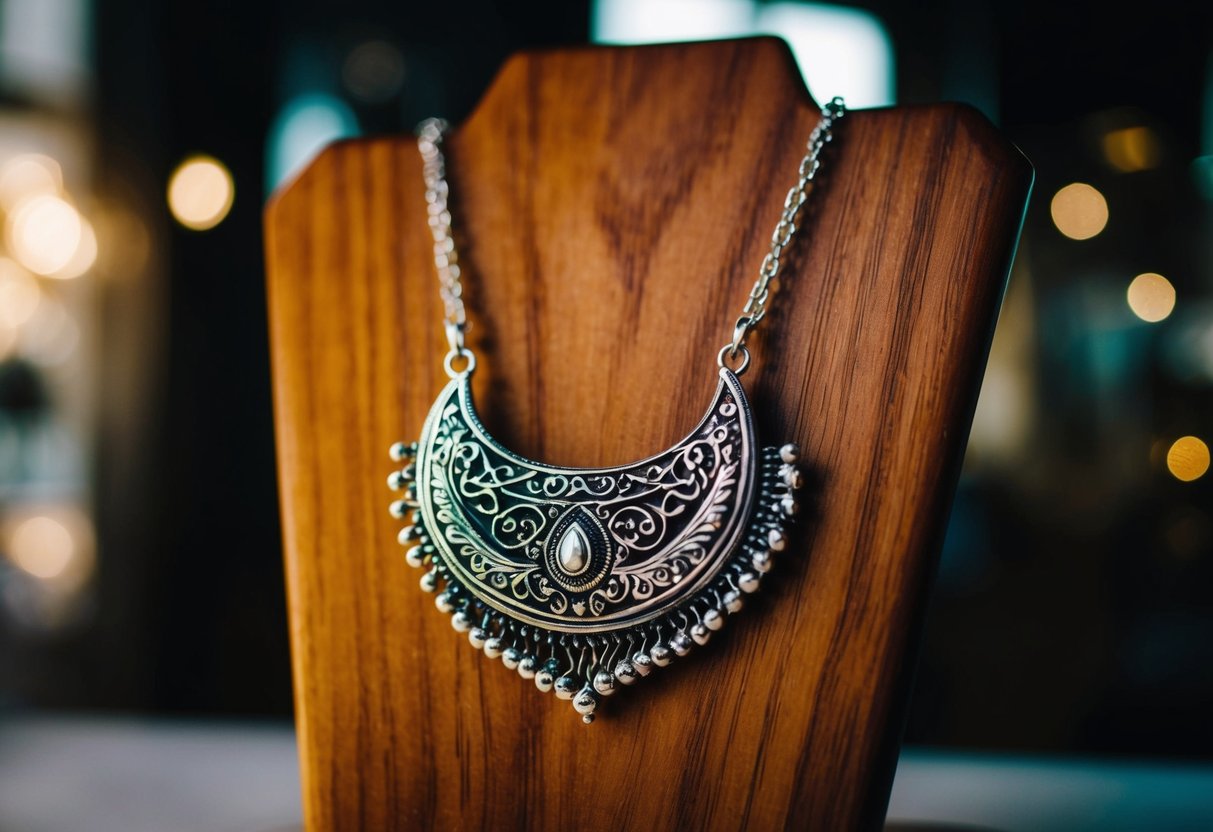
[[573, 551]]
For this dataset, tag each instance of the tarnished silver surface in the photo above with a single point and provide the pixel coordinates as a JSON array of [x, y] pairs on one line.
[[585, 550], [586, 579]]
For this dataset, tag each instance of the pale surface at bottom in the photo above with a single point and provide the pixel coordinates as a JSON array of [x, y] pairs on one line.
[[124, 775]]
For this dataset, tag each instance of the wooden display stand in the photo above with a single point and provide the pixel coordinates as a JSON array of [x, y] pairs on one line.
[[612, 206]]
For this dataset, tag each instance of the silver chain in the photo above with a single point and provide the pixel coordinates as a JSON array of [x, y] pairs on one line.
[[430, 134]]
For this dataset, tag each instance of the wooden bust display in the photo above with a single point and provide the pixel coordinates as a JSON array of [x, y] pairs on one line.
[[612, 206]]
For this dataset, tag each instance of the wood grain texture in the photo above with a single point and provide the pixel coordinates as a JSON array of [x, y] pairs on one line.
[[612, 206]]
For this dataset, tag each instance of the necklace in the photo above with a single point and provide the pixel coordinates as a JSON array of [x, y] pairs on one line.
[[586, 579]]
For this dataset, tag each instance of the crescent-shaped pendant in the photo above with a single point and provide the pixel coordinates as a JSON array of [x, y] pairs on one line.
[[584, 579]]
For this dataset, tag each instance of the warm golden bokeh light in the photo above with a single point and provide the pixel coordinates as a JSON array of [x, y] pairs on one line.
[[27, 175], [42, 546], [19, 294], [1188, 458], [44, 233], [1151, 297], [1079, 211], [1131, 149], [85, 256], [200, 192]]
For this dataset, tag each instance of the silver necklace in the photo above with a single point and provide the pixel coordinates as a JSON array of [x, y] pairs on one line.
[[586, 579]]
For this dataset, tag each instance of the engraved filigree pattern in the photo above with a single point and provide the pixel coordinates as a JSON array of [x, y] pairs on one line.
[[666, 523]]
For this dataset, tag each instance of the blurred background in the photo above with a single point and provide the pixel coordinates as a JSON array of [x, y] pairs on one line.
[[140, 568]]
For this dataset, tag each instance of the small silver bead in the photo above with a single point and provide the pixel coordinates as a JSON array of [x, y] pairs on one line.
[[565, 687], [681, 643], [733, 601], [604, 683], [461, 622], [762, 561], [713, 619], [584, 703], [401, 451], [395, 481], [777, 540], [527, 666], [415, 557], [429, 581], [642, 663], [443, 602], [789, 506], [790, 453], [626, 673], [510, 657], [477, 636], [544, 679], [661, 655], [492, 647], [700, 633], [398, 509], [408, 535], [747, 582], [792, 477]]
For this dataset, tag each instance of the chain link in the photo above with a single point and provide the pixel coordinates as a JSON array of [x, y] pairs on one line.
[[756, 304], [430, 134]]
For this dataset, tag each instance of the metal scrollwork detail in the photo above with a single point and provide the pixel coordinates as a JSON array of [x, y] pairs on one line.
[[586, 579], [648, 533]]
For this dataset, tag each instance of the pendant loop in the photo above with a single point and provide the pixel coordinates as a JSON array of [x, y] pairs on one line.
[[469, 357], [727, 352]]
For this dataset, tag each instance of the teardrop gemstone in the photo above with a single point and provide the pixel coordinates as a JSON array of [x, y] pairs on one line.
[[573, 550]]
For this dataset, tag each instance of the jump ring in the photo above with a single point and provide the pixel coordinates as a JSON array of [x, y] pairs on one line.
[[467, 355], [727, 352]]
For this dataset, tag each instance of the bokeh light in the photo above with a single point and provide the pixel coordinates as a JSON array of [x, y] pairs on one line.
[[1151, 297], [201, 192], [84, 256], [44, 233], [27, 175], [1131, 149], [1188, 458], [42, 546], [1079, 211], [19, 294]]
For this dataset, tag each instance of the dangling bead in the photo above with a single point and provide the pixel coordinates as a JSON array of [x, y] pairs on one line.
[[681, 643], [461, 622], [429, 581], [604, 683], [713, 620], [565, 687], [626, 673], [477, 636], [733, 601], [762, 562], [584, 703], [492, 647], [700, 633], [642, 663], [510, 657], [528, 665], [661, 654], [546, 677]]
